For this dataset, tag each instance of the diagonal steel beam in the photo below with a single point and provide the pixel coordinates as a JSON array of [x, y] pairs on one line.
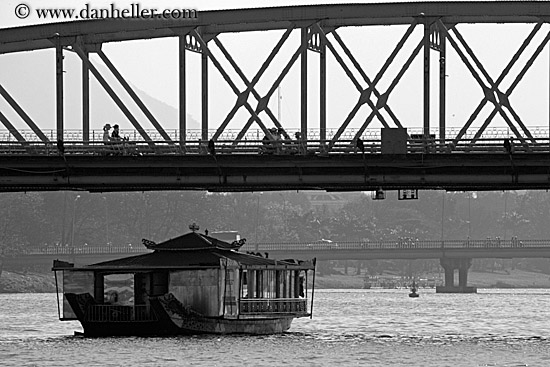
[[505, 72], [272, 90], [469, 122], [392, 86], [520, 51], [227, 78], [521, 75], [113, 95], [375, 91], [494, 89], [23, 114], [394, 53], [379, 75], [363, 97], [250, 84], [15, 132], [476, 76], [12, 130], [134, 96]]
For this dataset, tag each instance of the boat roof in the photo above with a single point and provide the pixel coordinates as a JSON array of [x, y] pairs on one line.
[[191, 251], [195, 260], [191, 241]]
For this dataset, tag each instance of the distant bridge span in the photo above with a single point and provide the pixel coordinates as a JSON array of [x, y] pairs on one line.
[[453, 255], [371, 250], [435, 158]]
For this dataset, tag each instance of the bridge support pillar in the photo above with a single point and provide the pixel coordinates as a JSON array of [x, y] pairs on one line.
[[450, 265]]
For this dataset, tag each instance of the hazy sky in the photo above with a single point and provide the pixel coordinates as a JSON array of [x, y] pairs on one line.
[[151, 66]]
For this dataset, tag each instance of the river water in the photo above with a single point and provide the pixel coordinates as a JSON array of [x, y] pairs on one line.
[[349, 328]]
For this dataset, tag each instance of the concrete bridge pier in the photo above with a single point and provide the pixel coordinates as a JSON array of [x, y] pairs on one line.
[[450, 265]]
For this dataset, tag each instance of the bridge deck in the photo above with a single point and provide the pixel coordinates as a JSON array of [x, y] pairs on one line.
[[109, 171]]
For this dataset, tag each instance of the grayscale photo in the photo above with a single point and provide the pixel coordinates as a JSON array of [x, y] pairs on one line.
[[274, 183]]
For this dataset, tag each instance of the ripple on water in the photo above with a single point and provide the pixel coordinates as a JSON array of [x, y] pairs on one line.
[[349, 328]]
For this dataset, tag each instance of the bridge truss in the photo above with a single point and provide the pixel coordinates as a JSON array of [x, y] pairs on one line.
[[432, 30]]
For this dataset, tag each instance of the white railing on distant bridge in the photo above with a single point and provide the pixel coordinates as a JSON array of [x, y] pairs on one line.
[[409, 244]]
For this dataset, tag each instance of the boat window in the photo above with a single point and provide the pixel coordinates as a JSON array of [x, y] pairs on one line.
[[269, 284], [263, 284], [244, 286], [119, 289], [230, 291], [160, 283]]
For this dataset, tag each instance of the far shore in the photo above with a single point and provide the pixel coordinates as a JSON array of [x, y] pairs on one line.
[[31, 282], [497, 279]]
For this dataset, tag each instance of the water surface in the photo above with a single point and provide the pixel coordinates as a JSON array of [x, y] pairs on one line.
[[349, 328]]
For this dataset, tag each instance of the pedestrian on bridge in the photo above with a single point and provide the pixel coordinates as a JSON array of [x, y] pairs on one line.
[[106, 137], [211, 147], [115, 135], [302, 149], [508, 145], [360, 145]]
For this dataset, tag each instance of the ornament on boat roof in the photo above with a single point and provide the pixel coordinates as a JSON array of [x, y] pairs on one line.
[[194, 227], [148, 243]]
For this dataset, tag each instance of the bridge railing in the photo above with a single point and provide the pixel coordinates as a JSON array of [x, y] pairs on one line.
[[96, 135], [398, 245], [403, 244], [85, 250], [279, 147]]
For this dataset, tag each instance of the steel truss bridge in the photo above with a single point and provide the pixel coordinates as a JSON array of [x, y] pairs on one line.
[[471, 157]]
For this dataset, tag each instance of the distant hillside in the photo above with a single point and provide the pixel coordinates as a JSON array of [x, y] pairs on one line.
[[31, 81]]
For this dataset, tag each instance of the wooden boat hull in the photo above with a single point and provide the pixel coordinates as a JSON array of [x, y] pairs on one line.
[[170, 318], [189, 322], [188, 327]]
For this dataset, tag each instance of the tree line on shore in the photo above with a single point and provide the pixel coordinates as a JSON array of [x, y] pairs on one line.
[[123, 219]]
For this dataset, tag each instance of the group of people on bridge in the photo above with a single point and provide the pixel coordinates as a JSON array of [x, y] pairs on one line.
[[114, 136], [117, 144], [277, 141]]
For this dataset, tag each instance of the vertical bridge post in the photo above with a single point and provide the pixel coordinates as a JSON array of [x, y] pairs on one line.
[[59, 88], [450, 265]]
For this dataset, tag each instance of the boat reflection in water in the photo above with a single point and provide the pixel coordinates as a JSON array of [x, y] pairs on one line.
[[190, 284]]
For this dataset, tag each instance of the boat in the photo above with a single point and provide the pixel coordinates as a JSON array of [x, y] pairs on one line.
[[191, 284], [414, 290]]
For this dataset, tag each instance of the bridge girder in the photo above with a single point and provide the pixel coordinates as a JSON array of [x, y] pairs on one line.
[[263, 173], [245, 20], [319, 27]]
